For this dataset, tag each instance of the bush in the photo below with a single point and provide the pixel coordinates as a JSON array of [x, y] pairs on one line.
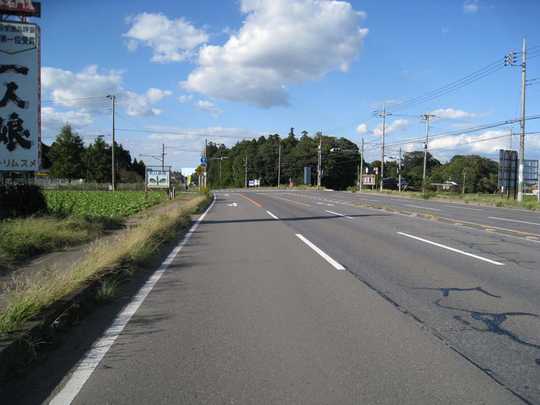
[[21, 200]]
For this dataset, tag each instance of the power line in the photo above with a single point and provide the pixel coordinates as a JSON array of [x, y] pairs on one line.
[[457, 132], [451, 87]]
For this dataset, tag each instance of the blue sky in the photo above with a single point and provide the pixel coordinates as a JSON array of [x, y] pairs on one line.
[[224, 70]]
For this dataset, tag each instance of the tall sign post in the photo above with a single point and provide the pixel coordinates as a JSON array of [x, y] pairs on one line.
[[20, 103]]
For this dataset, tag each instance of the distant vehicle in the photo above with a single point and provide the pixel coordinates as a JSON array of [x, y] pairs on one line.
[[391, 183]]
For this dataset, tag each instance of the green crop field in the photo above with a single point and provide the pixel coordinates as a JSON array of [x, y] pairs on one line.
[[101, 203]]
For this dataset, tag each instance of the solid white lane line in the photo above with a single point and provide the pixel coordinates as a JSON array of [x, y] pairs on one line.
[[332, 262], [514, 220], [424, 208], [338, 214], [272, 215], [451, 249], [459, 207], [99, 349]]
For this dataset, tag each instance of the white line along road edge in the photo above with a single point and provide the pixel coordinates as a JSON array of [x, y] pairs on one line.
[[514, 220], [272, 215], [334, 263], [99, 349], [451, 249]]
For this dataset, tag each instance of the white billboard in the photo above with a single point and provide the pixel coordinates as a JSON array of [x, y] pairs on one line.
[[19, 97], [368, 179], [157, 178]]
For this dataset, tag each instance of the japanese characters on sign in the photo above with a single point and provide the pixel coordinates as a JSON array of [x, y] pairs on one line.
[[22, 6], [19, 96]]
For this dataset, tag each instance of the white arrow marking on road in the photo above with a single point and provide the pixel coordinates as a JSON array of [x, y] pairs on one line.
[[451, 249], [233, 205]]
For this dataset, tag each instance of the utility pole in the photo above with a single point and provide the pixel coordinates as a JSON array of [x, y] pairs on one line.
[[510, 140], [279, 164], [538, 181], [463, 185], [399, 171], [383, 116], [522, 123], [206, 163], [319, 164], [427, 118], [113, 159], [220, 160], [245, 174], [162, 157], [361, 165]]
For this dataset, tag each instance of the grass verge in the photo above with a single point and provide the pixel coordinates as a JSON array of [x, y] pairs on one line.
[[530, 202], [26, 237], [131, 250]]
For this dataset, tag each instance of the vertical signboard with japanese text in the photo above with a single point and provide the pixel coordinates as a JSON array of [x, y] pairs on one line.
[[19, 97]]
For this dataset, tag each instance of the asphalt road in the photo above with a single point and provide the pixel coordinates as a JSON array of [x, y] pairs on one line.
[[306, 297]]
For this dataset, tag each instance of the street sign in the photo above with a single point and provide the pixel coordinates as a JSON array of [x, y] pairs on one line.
[[204, 161], [508, 171], [20, 132], [307, 176], [254, 183], [157, 178], [368, 179]]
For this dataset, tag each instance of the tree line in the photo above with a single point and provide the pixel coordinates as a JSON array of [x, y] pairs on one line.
[[68, 158], [340, 164]]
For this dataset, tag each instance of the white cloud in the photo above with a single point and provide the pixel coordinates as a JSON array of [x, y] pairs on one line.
[[362, 129], [393, 126], [452, 114], [471, 6], [154, 95], [171, 40], [54, 119], [281, 42], [87, 91], [209, 107], [184, 98], [194, 137]]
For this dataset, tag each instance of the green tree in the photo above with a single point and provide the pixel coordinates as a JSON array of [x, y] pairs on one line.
[[480, 173], [98, 161], [66, 155], [413, 167]]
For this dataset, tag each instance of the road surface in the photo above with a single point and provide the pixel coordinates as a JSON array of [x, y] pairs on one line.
[[306, 297]]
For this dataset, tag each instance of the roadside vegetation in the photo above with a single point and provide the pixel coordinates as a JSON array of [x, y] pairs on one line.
[[99, 204], [497, 200], [25, 237], [70, 218], [131, 250]]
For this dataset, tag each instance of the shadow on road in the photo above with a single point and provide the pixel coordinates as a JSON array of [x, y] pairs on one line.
[[310, 218]]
